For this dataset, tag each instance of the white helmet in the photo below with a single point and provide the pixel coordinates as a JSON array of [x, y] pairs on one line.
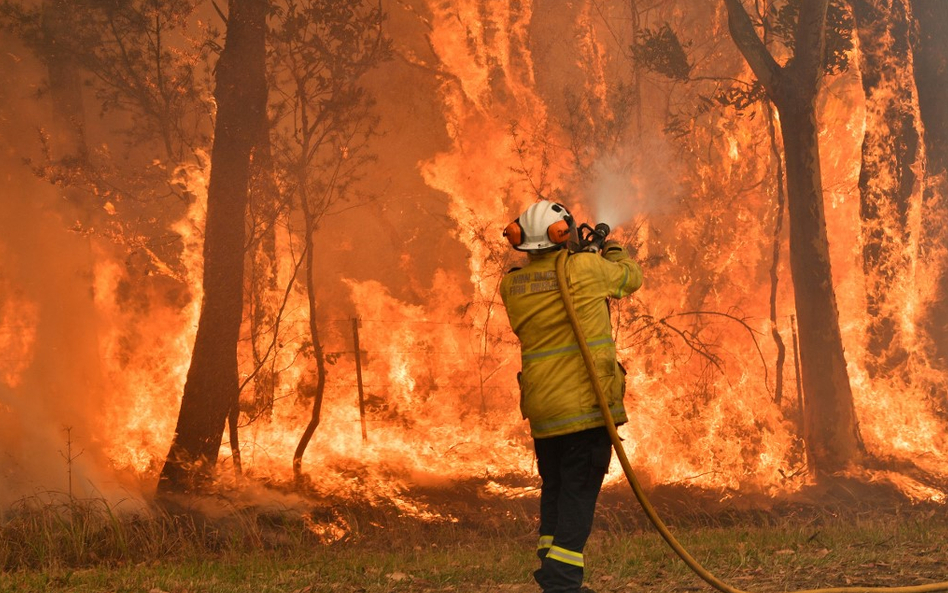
[[544, 226]]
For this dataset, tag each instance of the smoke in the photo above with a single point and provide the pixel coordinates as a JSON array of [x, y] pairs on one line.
[[51, 405], [631, 188], [51, 381]]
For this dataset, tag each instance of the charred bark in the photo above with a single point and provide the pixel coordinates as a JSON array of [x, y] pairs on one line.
[[931, 78], [887, 179], [211, 388], [830, 428]]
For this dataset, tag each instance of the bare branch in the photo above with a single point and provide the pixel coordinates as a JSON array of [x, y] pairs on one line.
[[765, 68], [695, 343]]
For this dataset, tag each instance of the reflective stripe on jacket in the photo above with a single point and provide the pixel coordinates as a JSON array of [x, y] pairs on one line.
[[556, 395]]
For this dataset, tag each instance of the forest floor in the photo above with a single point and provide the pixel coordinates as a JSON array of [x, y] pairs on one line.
[[479, 545]]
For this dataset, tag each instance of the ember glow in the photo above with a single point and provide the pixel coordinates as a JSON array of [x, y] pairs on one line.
[[484, 105]]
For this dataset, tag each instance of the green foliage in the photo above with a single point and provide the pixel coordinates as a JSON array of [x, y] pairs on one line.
[[662, 52]]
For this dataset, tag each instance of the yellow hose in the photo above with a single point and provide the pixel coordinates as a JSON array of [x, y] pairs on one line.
[[637, 488]]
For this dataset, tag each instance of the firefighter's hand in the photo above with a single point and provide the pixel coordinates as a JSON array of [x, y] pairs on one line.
[[614, 251]]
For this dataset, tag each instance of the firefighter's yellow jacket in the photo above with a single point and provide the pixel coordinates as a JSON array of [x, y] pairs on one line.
[[556, 395]]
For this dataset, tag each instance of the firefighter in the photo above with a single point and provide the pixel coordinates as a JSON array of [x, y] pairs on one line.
[[556, 395]]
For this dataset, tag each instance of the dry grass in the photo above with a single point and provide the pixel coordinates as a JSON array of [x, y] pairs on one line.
[[477, 545]]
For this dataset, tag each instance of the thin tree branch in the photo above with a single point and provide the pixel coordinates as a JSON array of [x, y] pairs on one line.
[[765, 68]]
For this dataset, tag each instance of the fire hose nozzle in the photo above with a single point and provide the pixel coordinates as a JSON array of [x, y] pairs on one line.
[[592, 239], [602, 229]]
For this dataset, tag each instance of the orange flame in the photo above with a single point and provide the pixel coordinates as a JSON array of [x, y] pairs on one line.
[[439, 366]]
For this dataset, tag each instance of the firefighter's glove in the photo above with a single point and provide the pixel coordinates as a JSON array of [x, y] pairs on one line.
[[614, 250]]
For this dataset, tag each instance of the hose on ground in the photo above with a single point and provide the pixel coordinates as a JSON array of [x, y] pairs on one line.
[[650, 512]]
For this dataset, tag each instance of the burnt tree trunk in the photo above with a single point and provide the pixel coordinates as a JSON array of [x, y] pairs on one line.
[[830, 428], [931, 79], [211, 389], [887, 178]]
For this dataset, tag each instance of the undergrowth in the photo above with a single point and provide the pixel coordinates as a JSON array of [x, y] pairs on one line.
[[449, 542]]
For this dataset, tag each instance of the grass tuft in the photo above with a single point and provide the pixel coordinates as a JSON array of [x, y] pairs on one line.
[[471, 544]]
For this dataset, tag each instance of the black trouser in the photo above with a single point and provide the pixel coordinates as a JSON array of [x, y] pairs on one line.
[[572, 468]]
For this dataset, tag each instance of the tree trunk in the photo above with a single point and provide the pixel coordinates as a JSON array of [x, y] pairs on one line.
[[264, 297], [212, 388], [830, 428], [829, 418], [931, 78], [310, 253], [775, 262], [887, 178]]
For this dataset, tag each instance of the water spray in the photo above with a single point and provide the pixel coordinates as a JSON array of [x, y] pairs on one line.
[[656, 521]]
